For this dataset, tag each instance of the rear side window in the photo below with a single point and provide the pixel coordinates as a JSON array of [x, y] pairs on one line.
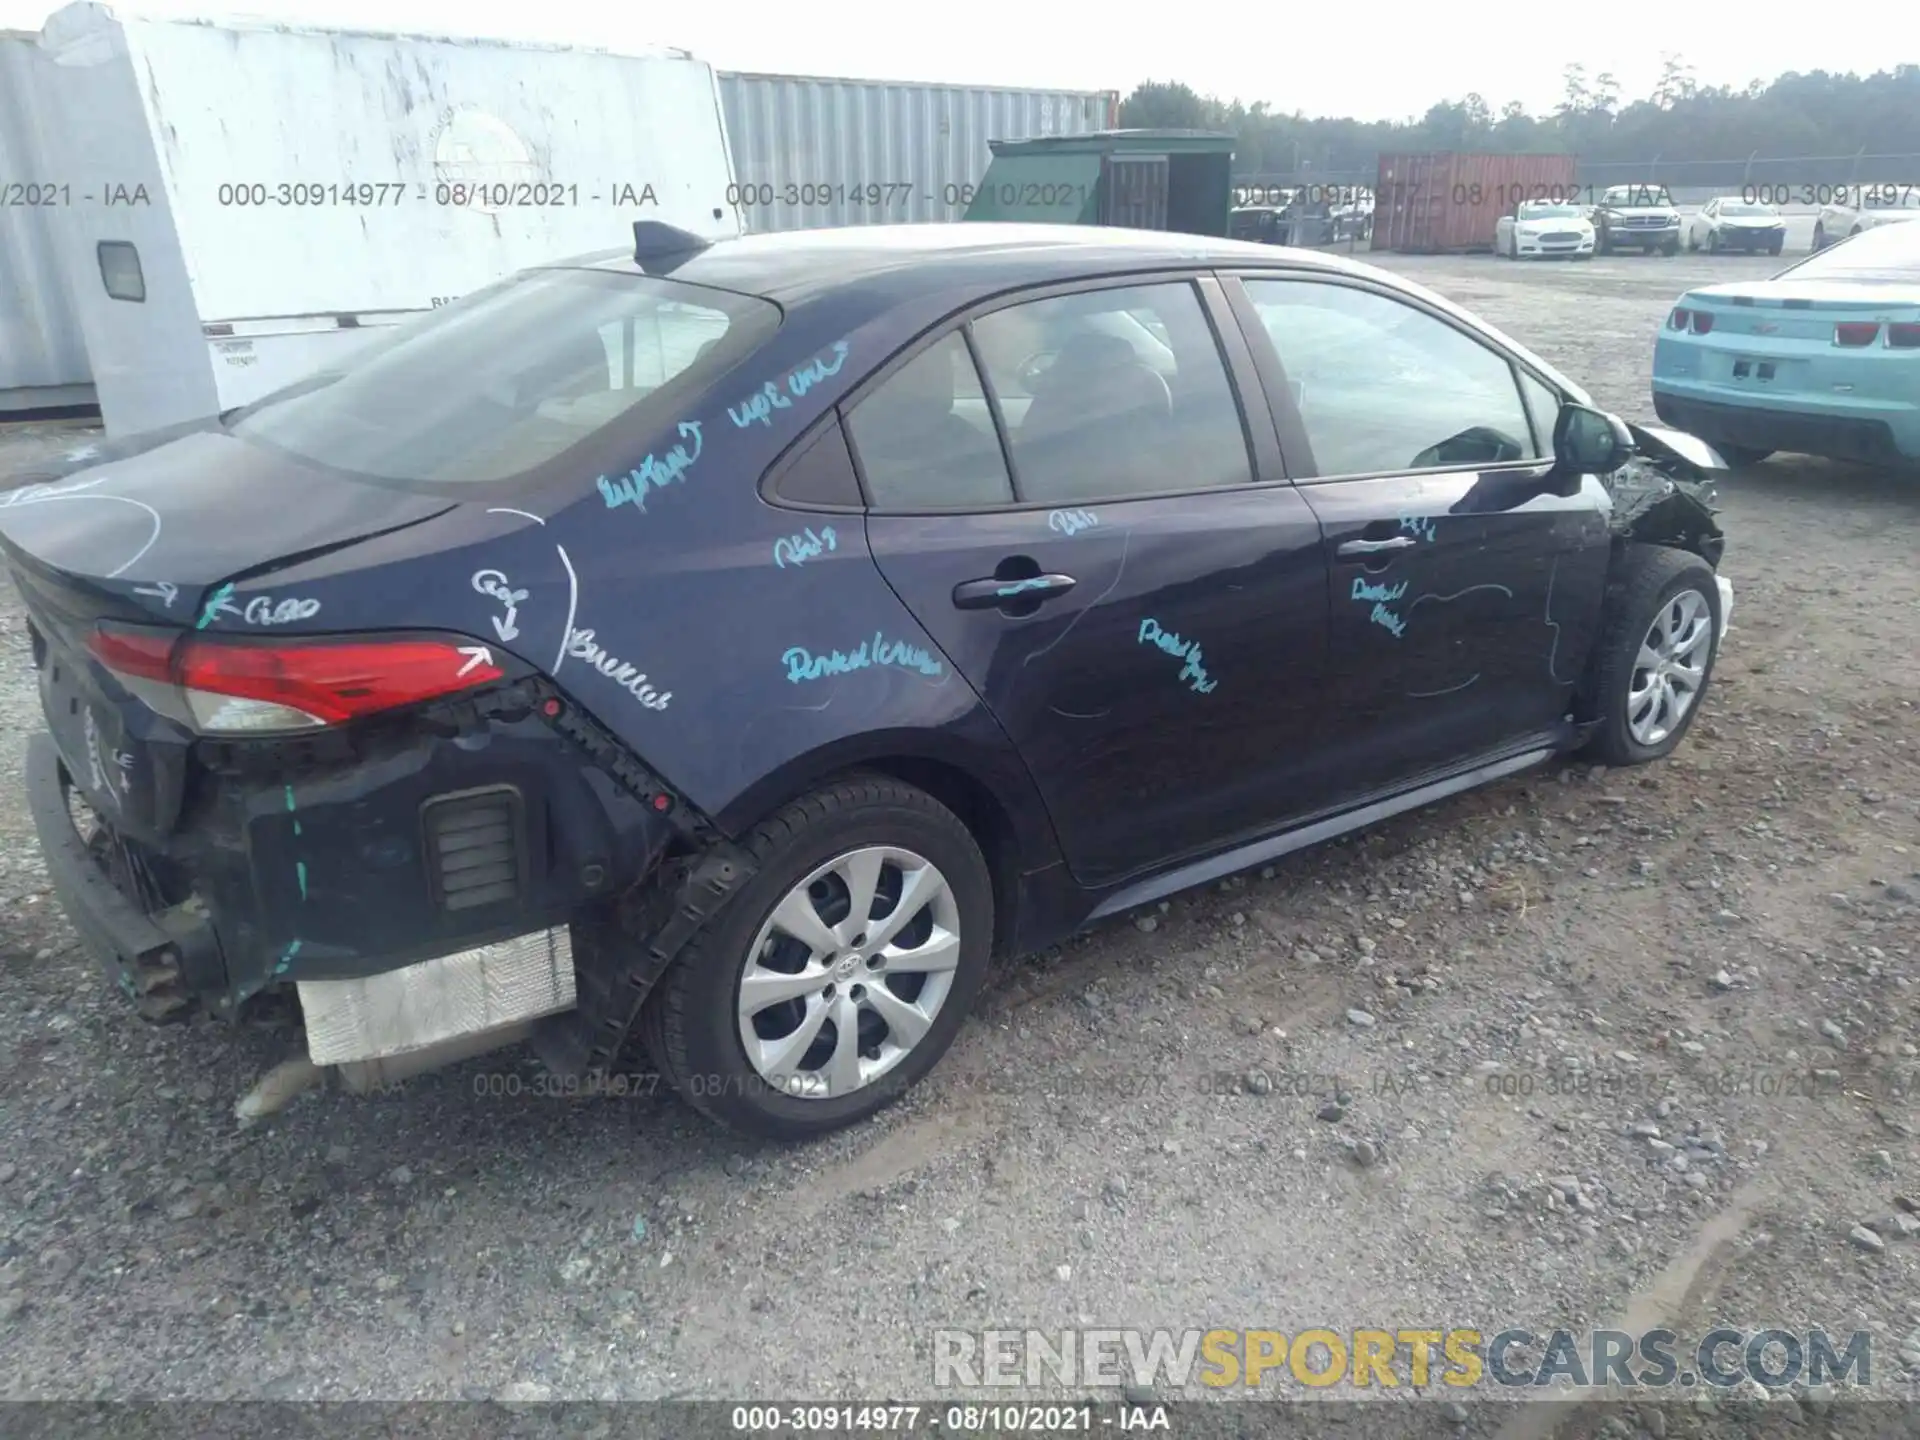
[[925, 438], [513, 376], [1113, 393], [1383, 387]]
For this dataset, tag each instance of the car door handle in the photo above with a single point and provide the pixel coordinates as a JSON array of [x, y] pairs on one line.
[[1353, 548], [989, 593]]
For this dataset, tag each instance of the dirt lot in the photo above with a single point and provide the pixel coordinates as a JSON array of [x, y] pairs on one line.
[[1388, 1083]]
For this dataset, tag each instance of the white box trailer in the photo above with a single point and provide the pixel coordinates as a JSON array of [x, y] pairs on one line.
[[43, 356], [248, 200]]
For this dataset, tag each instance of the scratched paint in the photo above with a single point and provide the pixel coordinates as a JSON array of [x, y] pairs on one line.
[[1381, 596], [656, 472], [1072, 522], [803, 664], [1419, 525], [1194, 672], [798, 549]]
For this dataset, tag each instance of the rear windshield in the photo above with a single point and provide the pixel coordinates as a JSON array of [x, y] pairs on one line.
[[511, 377], [1888, 253]]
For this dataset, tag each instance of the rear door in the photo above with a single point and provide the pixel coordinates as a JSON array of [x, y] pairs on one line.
[[1463, 593], [1079, 496]]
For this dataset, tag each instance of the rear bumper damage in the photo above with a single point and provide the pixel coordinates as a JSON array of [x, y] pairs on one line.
[[414, 886]]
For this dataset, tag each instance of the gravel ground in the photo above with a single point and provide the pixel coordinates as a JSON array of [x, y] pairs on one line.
[[1392, 1082]]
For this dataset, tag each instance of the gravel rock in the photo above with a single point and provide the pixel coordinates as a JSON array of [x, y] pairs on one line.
[[1360, 1018], [1865, 1239]]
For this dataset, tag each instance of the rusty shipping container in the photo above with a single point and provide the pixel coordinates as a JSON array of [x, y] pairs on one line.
[[1449, 201]]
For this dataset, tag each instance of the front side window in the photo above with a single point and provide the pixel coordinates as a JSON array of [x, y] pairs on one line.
[[1112, 393], [1383, 387], [513, 376]]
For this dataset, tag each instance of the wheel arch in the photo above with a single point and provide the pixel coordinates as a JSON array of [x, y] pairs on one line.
[[990, 792]]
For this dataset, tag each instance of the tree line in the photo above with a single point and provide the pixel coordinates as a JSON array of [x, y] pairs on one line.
[[1797, 129]]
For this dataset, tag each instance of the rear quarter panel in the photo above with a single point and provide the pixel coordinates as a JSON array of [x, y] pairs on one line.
[[691, 592]]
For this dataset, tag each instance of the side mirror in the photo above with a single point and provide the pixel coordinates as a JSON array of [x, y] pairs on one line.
[[1589, 442]]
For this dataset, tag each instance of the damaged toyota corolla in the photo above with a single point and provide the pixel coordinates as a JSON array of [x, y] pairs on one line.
[[726, 647]]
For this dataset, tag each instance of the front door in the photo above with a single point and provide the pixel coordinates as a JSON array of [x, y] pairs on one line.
[[1147, 623], [1464, 592]]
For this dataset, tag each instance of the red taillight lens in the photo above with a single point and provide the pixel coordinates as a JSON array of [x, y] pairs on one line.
[[1702, 322], [1678, 320], [1856, 332], [296, 685], [1904, 337]]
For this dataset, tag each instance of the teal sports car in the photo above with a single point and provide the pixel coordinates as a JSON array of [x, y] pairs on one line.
[[1822, 359]]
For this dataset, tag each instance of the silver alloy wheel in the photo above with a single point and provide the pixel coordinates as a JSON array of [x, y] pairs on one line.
[[849, 972], [1671, 668]]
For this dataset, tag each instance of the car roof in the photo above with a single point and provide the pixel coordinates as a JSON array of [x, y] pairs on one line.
[[795, 264]]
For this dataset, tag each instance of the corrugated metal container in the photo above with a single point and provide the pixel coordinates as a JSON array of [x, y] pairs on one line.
[[811, 152], [43, 357], [1450, 201], [264, 239]]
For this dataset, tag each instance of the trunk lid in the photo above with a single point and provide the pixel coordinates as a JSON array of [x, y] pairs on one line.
[[141, 532], [1790, 309]]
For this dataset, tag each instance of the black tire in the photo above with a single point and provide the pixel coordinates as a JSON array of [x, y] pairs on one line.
[[1740, 456], [1672, 247], [689, 1024], [1601, 244], [1776, 247], [1819, 236], [1650, 578], [1693, 245], [1713, 242]]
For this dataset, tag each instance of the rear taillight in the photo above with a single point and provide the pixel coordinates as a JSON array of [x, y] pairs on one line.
[[1904, 336], [247, 687], [1856, 332], [1702, 322], [1678, 319]]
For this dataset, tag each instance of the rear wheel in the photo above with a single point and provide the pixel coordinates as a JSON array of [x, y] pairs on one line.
[[1819, 236], [1656, 653], [1713, 242], [840, 973]]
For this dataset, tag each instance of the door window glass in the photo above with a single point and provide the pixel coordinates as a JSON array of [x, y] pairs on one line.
[[1544, 406], [925, 437], [1112, 393], [1383, 387]]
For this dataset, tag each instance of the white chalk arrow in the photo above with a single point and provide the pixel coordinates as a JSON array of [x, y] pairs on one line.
[[506, 629], [476, 655]]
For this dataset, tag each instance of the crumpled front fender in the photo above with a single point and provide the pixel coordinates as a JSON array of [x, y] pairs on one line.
[[1667, 494]]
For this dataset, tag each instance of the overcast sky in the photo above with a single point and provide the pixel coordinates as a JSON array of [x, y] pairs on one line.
[[1377, 61]]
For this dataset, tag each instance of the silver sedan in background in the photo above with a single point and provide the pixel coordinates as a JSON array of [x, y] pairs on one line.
[[1727, 222]]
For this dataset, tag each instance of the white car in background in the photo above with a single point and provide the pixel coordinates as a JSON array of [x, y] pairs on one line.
[[1876, 205], [1541, 227], [1727, 222]]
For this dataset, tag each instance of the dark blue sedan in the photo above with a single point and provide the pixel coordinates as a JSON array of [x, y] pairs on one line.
[[727, 647]]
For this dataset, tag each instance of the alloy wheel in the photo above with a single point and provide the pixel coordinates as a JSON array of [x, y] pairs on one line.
[[848, 972], [1671, 668]]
